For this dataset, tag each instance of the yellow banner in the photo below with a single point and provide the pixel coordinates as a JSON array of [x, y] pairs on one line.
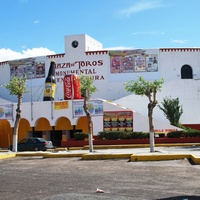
[[61, 105]]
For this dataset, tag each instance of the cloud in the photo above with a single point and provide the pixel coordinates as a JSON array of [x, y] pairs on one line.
[[140, 7], [36, 22], [148, 33], [179, 41], [8, 54]]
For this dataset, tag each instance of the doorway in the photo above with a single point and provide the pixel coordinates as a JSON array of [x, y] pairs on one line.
[[186, 72], [56, 137], [37, 134]]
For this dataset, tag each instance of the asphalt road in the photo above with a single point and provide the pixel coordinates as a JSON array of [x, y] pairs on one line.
[[35, 178]]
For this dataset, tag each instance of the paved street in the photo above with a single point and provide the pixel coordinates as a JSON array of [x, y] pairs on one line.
[[36, 178]]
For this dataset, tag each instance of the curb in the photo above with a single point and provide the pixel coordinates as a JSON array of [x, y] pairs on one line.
[[7, 155], [195, 159], [61, 155], [64, 153], [93, 156], [30, 154], [159, 157], [105, 156]]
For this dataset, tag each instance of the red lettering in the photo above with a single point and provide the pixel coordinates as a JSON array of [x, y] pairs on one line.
[[82, 63], [58, 66], [100, 62], [89, 71], [88, 63], [57, 73], [94, 63], [79, 64]]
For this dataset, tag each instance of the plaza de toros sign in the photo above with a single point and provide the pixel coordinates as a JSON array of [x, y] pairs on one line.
[[91, 68]]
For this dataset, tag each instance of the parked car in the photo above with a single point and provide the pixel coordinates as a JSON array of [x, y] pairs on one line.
[[33, 144]]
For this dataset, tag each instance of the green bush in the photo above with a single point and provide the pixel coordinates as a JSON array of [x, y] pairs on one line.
[[187, 134], [175, 134], [111, 135], [80, 135], [140, 135], [192, 134], [120, 135]]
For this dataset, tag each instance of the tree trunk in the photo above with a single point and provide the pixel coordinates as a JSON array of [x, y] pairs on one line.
[[16, 126], [89, 118], [90, 142], [151, 127], [90, 136]]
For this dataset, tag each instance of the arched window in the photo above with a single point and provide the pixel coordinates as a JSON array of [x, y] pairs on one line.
[[186, 72]]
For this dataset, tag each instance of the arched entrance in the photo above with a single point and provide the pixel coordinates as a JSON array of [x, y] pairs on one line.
[[42, 129], [24, 129], [6, 134], [61, 131], [82, 124], [186, 72]]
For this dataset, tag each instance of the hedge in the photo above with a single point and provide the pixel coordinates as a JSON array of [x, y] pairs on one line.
[[80, 135], [117, 135], [187, 134], [120, 135]]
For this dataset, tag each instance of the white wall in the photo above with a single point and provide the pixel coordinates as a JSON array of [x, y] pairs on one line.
[[172, 61], [111, 86]]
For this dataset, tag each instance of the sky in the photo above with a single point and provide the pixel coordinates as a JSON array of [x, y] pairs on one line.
[[37, 27]]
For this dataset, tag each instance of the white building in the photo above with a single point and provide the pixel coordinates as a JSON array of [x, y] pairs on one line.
[[110, 70]]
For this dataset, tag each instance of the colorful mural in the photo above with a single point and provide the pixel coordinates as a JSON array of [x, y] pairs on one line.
[[132, 61], [95, 108], [118, 121], [29, 67], [6, 112]]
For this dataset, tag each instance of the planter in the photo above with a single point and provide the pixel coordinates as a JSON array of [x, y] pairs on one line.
[[81, 143]]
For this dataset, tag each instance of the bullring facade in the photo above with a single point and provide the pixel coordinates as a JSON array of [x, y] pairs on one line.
[[110, 69]]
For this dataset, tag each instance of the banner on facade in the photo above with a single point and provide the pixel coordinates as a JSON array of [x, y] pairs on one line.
[[30, 67], [131, 61], [72, 84], [6, 112], [95, 108], [61, 105], [118, 121]]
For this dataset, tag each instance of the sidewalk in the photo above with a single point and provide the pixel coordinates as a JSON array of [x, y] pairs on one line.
[[129, 152]]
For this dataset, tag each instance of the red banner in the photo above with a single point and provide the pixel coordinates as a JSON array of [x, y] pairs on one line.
[[72, 86]]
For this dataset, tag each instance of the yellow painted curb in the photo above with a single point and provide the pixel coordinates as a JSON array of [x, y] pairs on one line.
[[195, 159], [31, 154], [76, 148], [3, 151], [105, 156], [7, 155], [157, 157], [66, 155], [59, 149]]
